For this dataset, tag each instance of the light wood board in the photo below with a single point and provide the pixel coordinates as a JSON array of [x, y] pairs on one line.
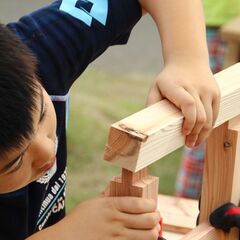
[[148, 135], [231, 30], [172, 236], [221, 178], [179, 214]]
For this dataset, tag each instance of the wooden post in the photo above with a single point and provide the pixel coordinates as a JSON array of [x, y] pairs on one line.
[[138, 184], [232, 53], [221, 179], [230, 33]]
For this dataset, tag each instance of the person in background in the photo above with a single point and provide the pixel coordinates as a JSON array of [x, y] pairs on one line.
[[217, 13]]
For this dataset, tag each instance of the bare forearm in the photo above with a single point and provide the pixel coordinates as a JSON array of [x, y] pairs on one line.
[[104, 218], [47, 234], [186, 79], [182, 28]]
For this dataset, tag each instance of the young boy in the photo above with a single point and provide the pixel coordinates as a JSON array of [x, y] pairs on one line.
[[41, 56]]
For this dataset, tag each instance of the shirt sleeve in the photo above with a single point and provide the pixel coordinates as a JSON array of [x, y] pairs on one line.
[[69, 34]]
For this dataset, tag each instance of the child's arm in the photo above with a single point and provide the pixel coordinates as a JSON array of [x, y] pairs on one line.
[[186, 79], [106, 218]]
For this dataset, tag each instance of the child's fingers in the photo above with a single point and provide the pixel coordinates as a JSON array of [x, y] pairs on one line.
[[134, 205], [154, 95], [215, 107], [200, 122], [140, 221], [207, 102], [183, 100], [132, 234]]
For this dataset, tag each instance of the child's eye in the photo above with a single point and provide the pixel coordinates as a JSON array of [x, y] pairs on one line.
[[16, 165]]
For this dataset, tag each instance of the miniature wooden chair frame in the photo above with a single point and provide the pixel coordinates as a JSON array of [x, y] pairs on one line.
[[146, 136]]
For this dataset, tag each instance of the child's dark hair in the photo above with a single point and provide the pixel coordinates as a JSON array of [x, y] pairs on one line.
[[18, 91]]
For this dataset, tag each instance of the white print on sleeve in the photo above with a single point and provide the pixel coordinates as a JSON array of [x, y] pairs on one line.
[[98, 10]]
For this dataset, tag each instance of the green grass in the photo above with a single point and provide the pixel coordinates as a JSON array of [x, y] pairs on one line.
[[97, 100]]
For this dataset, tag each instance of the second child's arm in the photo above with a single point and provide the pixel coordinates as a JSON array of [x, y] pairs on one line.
[[186, 79]]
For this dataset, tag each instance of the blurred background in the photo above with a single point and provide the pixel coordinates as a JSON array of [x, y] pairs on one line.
[[113, 87]]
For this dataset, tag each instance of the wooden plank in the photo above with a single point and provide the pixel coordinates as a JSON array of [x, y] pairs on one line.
[[231, 30], [232, 54], [221, 179], [148, 135], [204, 232], [222, 159], [172, 236], [179, 214]]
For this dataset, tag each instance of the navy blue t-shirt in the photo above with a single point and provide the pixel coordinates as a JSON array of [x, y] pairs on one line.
[[65, 37]]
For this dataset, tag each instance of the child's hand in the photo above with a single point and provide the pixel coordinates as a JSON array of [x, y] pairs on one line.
[[193, 89], [123, 218]]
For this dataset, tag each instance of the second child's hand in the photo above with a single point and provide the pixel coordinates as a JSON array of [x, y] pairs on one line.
[[195, 92], [186, 79]]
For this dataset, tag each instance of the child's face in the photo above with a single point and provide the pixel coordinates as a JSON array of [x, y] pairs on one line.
[[23, 166]]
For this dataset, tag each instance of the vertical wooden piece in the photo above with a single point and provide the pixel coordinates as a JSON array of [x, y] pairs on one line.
[[138, 184], [230, 32], [232, 54], [221, 179]]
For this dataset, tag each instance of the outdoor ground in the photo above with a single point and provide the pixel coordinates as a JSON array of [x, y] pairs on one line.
[[115, 86]]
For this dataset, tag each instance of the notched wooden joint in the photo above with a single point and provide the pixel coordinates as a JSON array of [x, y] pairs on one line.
[[136, 134]]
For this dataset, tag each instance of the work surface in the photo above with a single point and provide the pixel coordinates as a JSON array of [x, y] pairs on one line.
[[172, 236], [179, 215]]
